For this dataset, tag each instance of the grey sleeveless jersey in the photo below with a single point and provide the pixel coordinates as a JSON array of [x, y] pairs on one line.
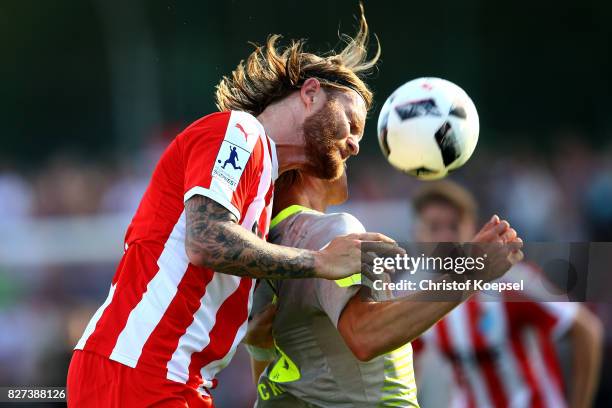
[[314, 367]]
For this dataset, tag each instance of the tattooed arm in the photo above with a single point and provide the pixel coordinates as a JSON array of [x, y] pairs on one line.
[[215, 240]]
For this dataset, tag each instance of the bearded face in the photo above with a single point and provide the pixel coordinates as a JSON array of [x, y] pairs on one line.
[[325, 132]]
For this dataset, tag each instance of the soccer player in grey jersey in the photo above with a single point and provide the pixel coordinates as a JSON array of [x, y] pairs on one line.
[[332, 347]]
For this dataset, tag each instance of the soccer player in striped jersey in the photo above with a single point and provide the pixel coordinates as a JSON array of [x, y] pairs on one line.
[[336, 345], [503, 354], [178, 304]]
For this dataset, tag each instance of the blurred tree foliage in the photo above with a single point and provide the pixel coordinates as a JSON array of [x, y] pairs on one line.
[[102, 76]]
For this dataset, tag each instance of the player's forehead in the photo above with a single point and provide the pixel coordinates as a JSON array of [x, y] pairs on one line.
[[439, 211]]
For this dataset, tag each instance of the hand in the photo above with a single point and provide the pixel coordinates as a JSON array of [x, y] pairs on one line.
[[342, 257], [259, 331], [502, 246]]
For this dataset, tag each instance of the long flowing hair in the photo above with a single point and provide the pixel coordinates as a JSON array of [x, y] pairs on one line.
[[272, 72]]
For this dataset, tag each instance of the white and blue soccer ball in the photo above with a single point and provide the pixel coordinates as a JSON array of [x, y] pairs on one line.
[[428, 127]]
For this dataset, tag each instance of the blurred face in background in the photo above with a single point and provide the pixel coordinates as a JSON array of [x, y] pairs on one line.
[[440, 221], [332, 134]]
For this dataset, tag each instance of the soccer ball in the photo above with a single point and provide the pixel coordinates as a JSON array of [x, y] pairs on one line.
[[428, 127]]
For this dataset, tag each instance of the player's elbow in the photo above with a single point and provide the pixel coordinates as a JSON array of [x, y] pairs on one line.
[[356, 327], [363, 351], [200, 253], [589, 328], [587, 331], [196, 256], [359, 342], [596, 330], [202, 249]]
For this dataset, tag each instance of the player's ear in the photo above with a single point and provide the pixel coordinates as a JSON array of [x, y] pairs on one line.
[[310, 90]]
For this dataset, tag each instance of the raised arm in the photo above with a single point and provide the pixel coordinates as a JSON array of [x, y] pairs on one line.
[[372, 328], [215, 240]]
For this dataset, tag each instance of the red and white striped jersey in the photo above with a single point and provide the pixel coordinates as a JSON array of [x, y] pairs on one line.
[[503, 353], [163, 314]]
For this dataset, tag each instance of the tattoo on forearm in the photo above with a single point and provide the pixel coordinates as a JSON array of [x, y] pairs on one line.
[[213, 232]]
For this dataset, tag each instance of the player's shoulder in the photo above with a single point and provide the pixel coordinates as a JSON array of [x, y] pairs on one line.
[[216, 119], [342, 222], [219, 123], [226, 118], [225, 132]]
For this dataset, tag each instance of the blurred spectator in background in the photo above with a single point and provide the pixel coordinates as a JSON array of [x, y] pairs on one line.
[[68, 187], [16, 195], [502, 353]]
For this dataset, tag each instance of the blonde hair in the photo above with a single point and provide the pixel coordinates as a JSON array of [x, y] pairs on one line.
[[270, 73]]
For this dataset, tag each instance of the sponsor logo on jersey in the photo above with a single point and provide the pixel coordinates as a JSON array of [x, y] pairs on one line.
[[230, 164], [233, 155]]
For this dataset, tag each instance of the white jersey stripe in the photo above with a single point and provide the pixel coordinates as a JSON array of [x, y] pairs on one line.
[[94, 320], [510, 373], [547, 388], [209, 371], [460, 339], [197, 335], [259, 203], [160, 291], [274, 158]]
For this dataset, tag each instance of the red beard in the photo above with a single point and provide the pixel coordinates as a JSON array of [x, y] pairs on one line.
[[322, 131]]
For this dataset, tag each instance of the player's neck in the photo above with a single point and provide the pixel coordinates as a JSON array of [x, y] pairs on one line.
[[290, 156], [298, 197], [280, 124], [312, 201]]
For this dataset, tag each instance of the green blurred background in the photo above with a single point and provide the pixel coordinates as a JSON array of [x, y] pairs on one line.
[[94, 76]]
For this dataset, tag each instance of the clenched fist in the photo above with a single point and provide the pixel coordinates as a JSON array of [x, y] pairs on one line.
[[502, 246]]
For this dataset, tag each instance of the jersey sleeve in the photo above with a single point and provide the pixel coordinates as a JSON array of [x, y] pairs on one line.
[[553, 317], [223, 158], [564, 314], [333, 296], [537, 287], [538, 310]]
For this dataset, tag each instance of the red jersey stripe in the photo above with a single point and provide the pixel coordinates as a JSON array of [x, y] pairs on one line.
[[445, 345], [163, 341], [230, 316], [550, 358]]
